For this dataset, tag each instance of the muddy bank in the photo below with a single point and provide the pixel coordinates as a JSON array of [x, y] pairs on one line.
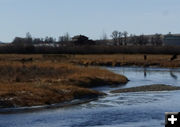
[[154, 87]]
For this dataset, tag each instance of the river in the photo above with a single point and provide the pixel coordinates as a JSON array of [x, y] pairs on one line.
[[143, 109]]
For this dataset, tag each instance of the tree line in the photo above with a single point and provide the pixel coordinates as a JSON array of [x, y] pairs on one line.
[[117, 38], [28, 40], [120, 42], [122, 38]]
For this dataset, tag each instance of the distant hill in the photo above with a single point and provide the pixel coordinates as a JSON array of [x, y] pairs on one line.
[[1, 42]]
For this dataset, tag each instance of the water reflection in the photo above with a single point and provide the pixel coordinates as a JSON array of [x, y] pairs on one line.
[[149, 75], [145, 72], [171, 72], [173, 75]]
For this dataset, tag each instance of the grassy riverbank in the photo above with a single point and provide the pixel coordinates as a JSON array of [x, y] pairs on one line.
[[30, 80]]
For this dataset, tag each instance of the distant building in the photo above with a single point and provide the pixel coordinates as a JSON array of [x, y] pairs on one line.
[[172, 39], [82, 40], [79, 38]]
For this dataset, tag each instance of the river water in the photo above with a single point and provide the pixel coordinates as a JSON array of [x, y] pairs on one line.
[[143, 109]]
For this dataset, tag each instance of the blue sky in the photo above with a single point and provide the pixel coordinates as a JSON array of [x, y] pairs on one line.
[[89, 17]]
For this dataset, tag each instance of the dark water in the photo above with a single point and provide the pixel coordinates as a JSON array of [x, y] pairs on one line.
[[144, 109]]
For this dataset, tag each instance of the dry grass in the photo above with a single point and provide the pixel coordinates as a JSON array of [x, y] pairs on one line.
[[99, 59], [20, 94], [48, 72], [126, 60], [46, 81]]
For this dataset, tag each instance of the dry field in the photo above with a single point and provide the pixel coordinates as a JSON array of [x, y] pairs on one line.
[[126, 60], [29, 80], [100, 59]]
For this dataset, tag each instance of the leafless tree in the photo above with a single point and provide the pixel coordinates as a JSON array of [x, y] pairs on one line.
[[125, 34], [157, 39], [117, 37], [120, 38], [104, 36], [28, 38], [65, 38]]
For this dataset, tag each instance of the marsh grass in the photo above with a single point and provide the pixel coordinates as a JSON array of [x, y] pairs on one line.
[[126, 60], [27, 94], [43, 81]]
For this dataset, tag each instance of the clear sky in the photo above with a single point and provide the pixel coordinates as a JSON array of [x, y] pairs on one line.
[[89, 17]]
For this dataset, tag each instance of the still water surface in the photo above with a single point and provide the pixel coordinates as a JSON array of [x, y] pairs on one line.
[[143, 109]]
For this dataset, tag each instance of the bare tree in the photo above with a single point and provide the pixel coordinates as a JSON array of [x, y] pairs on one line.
[[104, 36], [28, 35], [131, 39], [120, 40], [142, 40], [49, 40], [157, 39], [65, 38], [153, 41], [115, 36], [28, 38], [125, 34], [61, 39]]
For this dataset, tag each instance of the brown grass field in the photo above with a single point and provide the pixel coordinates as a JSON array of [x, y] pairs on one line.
[[99, 59], [126, 60], [29, 80]]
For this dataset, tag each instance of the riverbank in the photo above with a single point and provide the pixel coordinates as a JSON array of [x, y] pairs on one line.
[[25, 82], [154, 87]]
